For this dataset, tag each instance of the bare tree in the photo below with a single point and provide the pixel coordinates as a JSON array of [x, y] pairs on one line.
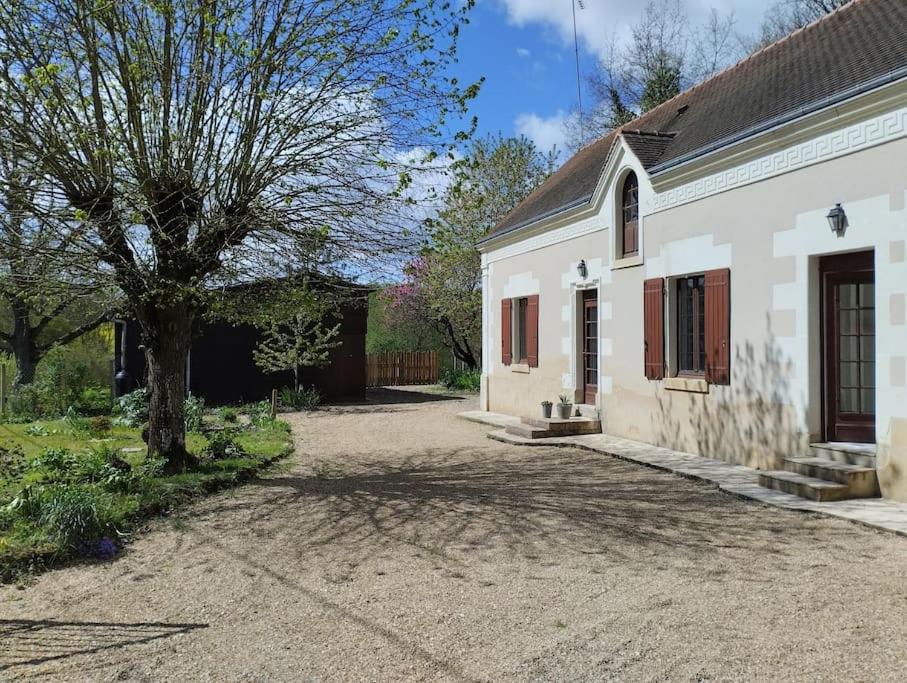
[[44, 302], [786, 16], [664, 56], [195, 140]]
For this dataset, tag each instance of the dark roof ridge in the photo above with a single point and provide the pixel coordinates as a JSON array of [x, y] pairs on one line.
[[623, 130], [852, 50], [748, 58]]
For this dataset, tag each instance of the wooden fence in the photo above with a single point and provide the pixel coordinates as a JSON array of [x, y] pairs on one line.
[[396, 368]]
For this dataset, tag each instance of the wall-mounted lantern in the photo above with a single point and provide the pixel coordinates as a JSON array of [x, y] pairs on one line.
[[837, 219], [581, 269]]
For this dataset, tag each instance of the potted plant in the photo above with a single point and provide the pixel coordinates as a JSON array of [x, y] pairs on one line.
[[564, 407], [546, 408]]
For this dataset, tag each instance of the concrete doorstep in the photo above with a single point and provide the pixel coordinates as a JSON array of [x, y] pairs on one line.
[[734, 479]]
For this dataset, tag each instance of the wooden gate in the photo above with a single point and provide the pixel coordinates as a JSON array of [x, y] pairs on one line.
[[397, 368]]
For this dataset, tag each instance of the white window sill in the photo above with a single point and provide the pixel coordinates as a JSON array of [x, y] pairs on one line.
[[520, 368], [689, 384], [628, 262]]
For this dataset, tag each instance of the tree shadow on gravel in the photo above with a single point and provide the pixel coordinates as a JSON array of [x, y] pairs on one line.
[[25, 642], [390, 400], [558, 500]]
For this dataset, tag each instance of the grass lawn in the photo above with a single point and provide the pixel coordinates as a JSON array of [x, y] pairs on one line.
[[64, 494]]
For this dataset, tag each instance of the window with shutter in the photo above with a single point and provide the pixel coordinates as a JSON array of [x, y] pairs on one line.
[[506, 329], [653, 316], [630, 216], [718, 326], [532, 330]]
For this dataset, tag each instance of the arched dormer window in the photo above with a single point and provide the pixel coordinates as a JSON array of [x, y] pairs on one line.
[[630, 216]]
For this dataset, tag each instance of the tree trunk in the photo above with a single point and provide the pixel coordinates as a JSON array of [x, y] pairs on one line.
[[23, 343], [168, 335]]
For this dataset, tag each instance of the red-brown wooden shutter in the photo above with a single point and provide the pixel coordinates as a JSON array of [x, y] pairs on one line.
[[532, 330], [718, 326], [506, 324], [654, 326]]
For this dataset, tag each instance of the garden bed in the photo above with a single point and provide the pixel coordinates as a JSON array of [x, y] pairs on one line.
[[68, 492]]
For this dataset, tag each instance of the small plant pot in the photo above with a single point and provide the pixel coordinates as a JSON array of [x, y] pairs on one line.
[[546, 410], [563, 410]]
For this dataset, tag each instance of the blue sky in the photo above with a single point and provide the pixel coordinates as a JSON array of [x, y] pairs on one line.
[[524, 48]]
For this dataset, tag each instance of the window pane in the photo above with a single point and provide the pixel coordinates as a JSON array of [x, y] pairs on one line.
[[848, 320], [867, 321], [869, 401], [867, 294], [848, 376], [849, 401], [867, 348], [849, 347], [847, 296], [867, 374]]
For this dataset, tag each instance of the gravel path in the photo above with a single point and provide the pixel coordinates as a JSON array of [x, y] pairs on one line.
[[401, 544]]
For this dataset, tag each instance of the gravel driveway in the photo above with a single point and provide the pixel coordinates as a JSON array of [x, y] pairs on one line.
[[401, 544]]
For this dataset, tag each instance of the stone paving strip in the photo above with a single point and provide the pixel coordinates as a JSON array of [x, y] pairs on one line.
[[728, 477]]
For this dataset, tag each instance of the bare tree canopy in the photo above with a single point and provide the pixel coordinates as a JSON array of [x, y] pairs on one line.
[[664, 56], [786, 16], [185, 141]]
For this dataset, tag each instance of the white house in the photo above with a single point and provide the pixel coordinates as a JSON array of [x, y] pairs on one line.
[[727, 274]]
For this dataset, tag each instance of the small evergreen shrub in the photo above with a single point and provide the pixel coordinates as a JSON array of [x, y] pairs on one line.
[[134, 408], [222, 445], [74, 514], [462, 380], [304, 398], [194, 412], [229, 415]]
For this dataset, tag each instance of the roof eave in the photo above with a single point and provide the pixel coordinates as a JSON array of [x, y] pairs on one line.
[[842, 96]]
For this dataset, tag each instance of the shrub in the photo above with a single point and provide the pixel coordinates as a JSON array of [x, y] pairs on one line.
[[74, 514], [229, 415], [222, 445], [462, 380], [13, 463], [134, 407], [59, 464], [260, 414], [99, 425], [36, 430], [305, 398], [194, 411], [24, 405], [77, 423]]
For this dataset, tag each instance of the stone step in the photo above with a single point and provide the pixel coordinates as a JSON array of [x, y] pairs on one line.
[[569, 427], [526, 431], [862, 455], [862, 481], [806, 487]]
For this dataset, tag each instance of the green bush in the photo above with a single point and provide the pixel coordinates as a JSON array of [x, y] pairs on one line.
[[228, 415], [73, 514], [24, 404], [305, 398], [462, 380], [194, 413], [260, 414], [222, 445], [99, 425], [133, 407]]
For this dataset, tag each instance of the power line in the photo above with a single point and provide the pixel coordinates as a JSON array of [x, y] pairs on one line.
[[579, 93]]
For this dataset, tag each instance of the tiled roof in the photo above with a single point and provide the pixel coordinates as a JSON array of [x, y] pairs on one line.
[[858, 46]]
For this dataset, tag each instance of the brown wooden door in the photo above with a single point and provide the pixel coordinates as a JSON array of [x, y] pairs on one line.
[[848, 291], [590, 346]]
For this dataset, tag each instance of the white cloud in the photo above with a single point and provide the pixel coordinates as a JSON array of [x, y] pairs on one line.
[[523, 53], [604, 21], [545, 132]]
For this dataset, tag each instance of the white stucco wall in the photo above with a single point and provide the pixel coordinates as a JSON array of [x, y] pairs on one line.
[[766, 224]]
